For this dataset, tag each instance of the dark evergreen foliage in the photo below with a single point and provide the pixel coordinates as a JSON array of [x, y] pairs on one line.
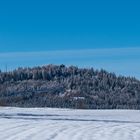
[[68, 87]]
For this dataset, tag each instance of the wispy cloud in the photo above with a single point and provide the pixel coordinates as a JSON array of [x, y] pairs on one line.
[[123, 61]]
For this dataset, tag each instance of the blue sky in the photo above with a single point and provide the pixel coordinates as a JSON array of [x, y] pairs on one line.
[[91, 33]]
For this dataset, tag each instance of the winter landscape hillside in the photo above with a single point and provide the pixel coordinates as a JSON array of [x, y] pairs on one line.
[[69, 70], [68, 124], [68, 87]]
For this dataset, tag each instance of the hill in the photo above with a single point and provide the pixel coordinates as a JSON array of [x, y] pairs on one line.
[[68, 87]]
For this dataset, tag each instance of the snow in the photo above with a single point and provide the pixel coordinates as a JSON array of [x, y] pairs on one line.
[[68, 124]]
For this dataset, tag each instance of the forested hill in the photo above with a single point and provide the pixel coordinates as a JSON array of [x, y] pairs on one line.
[[68, 87]]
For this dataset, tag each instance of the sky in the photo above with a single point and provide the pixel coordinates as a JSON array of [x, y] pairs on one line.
[[86, 33]]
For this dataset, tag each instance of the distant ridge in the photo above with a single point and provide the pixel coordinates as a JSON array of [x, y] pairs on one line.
[[68, 87]]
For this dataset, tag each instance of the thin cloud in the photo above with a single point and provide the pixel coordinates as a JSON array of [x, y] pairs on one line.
[[123, 61]]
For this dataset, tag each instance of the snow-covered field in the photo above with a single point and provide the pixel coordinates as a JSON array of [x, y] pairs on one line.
[[68, 124]]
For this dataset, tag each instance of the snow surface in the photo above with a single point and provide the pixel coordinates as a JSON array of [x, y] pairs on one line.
[[68, 124]]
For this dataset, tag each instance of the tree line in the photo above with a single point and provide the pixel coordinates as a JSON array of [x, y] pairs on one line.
[[68, 87]]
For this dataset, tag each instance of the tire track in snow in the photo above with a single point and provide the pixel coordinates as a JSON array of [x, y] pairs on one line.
[[74, 127]]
